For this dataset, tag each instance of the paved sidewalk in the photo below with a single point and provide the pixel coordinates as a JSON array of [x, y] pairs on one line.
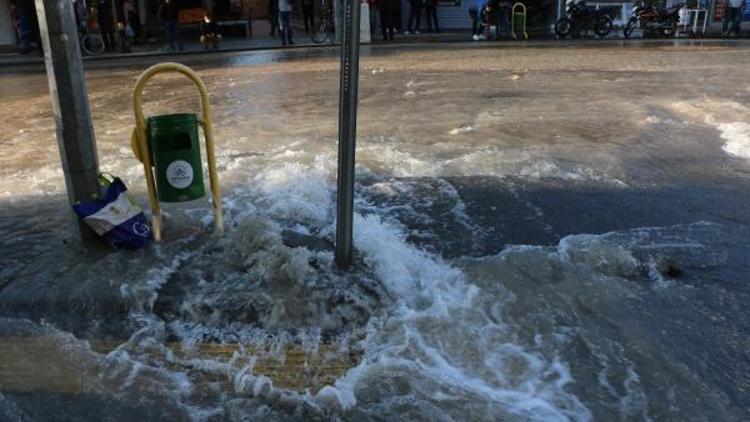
[[262, 41]]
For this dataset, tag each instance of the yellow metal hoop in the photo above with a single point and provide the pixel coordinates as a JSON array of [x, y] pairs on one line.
[[139, 144], [513, 13]]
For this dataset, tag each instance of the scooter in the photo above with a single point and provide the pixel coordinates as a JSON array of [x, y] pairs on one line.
[[582, 18], [649, 17]]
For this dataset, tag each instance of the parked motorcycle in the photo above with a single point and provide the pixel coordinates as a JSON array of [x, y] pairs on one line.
[[583, 18], [648, 17]]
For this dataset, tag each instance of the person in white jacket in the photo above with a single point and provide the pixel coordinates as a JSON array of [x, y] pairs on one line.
[[285, 22], [733, 17]]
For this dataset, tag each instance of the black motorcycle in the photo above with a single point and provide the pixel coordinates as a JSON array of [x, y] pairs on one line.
[[664, 21], [583, 18]]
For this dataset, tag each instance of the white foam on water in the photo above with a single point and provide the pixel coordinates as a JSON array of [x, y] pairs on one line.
[[737, 135], [427, 291], [728, 117], [434, 303], [463, 129], [532, 164]]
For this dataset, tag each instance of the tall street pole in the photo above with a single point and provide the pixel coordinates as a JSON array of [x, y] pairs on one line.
[[70, 107], [349, 79]]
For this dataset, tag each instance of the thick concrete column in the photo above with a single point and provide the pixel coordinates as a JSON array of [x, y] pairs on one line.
[[338, 19], [364, 27], [70, 107]]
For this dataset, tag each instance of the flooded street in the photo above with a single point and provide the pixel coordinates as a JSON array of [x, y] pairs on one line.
[[549, 231]]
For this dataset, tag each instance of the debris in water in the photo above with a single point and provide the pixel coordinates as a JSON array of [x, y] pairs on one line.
[[669, 268]]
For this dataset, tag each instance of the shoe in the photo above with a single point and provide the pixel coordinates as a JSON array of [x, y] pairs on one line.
[[482, 37], [475, 37], [291, 42], [416, 32], [406, 32]]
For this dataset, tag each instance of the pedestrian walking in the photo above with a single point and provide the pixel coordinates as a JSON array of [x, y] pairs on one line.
[[415, 14], [273, 16], [170, 17], [430, 13], [82, 16], [23, 26], [105, 18], [308, 13], [388, 16], [733, 17], [285, 22], [132, 19], [477, 28], [499, 14], [374, 9]]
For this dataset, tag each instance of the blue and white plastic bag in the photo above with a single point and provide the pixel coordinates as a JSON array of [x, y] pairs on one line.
[[116, 218]]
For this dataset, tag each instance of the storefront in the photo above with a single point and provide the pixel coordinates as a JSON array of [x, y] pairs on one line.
[[454, 14], [7, 37]]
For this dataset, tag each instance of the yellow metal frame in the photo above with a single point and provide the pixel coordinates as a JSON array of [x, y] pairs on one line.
[[139, 142], [513, 12]]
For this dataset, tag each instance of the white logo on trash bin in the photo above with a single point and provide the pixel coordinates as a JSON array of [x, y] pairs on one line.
[[141, 229], [180, 174]]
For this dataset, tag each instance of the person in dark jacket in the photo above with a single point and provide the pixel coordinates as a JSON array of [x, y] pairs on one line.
[[105, 18], [733, 17], [307, 14], [210, 32], [415, 14], [430, 13], [500, 16], [170, 17], [387, 18], [23, 26], [82, 16], [273, 15]]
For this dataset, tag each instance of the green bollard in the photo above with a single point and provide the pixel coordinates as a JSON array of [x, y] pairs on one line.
[[173, 141]]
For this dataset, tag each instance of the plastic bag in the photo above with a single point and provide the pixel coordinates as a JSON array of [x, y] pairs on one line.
[[115, 217], [129, 32]]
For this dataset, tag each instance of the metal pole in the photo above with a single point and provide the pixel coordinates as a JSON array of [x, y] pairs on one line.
[[70, 107], [347, 132]]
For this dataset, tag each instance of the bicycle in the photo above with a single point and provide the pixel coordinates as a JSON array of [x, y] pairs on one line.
[[323, 29], [92, 44]]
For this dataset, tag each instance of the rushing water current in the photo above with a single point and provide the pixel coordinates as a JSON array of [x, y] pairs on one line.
[[540, 234]]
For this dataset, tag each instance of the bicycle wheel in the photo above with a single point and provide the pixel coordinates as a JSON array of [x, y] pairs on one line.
[[563, 27], [319, 33], [603, 26], [92, 44]]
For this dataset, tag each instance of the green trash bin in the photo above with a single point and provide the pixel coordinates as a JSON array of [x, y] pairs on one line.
[[176, 154], [519, 23]]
